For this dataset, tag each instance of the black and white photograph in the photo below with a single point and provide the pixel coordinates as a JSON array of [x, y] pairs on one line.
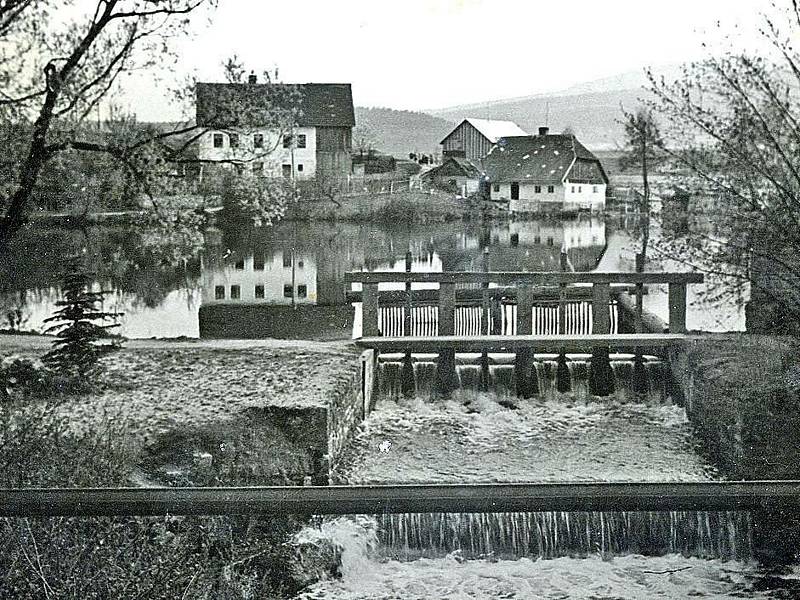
[[399, 299]]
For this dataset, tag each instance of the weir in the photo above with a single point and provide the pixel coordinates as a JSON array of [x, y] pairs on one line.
[[520, 312]]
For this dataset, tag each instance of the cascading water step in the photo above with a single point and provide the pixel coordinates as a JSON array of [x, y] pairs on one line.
[[552, 376]]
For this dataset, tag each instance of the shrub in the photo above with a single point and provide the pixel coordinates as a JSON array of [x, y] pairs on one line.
[[22, 377]]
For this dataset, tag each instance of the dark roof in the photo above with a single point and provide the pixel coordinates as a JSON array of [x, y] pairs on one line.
[[545, 159], [315, 104]]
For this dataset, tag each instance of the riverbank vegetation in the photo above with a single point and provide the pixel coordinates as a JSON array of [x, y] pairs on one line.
[[743, 396], [171, 414], [730, 129]]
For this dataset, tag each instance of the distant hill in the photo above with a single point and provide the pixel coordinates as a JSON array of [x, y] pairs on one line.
[[399, 132], [590, 109], [593, 117]]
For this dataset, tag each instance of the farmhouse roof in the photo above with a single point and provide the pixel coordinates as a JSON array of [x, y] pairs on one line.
[[546, 159], [316, 104], [491, 129], [456, 166]]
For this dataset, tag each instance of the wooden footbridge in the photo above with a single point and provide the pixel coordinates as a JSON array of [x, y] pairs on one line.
[[519, 312]]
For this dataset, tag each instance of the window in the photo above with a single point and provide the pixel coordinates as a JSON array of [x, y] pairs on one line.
[[236, 292], [549, 241], [219, 140], [300, 264], [537, 239], [287, 290], [594, 189], [233, 139], [258, 140], [239, 169], [302, 291], [258, 263], [514, 240], [287, 140], [287, 260], [573, 189], [219, 292], [258, 168], [551, 189], [287, 171], [580, 189], [301, 140], [239, 264], [300, 168], [537, 189], [496, 187], [259, 292]]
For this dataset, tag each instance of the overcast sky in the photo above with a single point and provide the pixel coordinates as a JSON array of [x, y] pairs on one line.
[[424, 54]]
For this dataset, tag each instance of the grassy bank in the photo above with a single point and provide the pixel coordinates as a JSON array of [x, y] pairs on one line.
[[407, 206], [743, 396], [188, 413]]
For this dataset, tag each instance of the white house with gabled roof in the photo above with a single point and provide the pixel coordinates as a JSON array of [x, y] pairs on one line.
[[545, 172]]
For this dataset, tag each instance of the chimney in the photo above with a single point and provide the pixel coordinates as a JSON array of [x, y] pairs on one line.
[[252, 78], [543, 130]]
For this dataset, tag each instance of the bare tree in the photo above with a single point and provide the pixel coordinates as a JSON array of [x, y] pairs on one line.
[[55, 71], [733, 137]]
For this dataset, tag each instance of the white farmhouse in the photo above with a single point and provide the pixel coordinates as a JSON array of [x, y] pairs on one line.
[[545, 172], [240, 129]]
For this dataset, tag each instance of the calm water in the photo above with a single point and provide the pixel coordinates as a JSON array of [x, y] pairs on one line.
[[160, 285]]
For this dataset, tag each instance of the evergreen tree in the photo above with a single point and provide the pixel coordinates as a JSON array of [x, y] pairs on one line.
[[79, 329]]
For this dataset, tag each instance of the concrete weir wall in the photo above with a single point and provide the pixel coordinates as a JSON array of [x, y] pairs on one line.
[[742, 394], [350, 404]]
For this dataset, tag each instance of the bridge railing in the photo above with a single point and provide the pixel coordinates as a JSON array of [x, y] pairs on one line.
[[527, 290]]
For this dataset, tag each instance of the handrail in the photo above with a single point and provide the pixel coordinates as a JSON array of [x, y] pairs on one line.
[[521, 277], [337, 500]]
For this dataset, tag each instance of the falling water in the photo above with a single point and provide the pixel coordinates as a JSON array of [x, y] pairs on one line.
[[548, 535], [502, 378]]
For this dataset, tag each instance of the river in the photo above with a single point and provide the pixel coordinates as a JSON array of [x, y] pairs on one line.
[[173, 288]]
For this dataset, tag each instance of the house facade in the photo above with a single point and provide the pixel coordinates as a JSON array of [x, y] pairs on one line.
[[241, 132], [545, 172], [474, 138]]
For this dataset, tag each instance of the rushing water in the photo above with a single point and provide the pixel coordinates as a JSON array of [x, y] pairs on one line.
[[161, 285]]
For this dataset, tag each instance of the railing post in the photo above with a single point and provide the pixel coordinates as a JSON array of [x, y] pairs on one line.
[[407, 383], [523, 363], [677, 308], [601, 376], [446, 378], [369, 310], [484, 385]]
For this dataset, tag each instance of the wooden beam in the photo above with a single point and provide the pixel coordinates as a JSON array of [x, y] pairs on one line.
[[601, 318], [516, 277], [750, 495], [542, 343], [677, 307], [548, 294], [369, 310]]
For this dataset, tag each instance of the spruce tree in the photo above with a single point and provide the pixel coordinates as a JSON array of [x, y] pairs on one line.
[[80, 327]]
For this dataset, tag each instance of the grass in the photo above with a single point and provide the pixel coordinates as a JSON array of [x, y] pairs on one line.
[[403, 206], [162, 407]]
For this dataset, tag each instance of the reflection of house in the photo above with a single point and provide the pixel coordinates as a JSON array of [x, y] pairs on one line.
[[457, 174], [319, 141], [276, 278], [473, 138], [544, 172]]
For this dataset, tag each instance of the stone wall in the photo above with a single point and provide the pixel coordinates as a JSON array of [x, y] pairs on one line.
[[349, 405], [741, 398]]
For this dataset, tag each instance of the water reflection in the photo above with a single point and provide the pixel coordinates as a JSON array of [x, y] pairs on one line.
[[250, 277], [244, 282]]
